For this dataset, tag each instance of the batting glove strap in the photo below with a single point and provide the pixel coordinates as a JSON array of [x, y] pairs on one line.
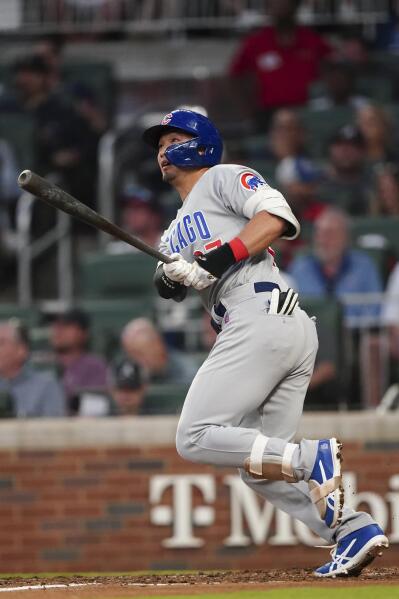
[[198, 278], [217, 261], [283, 302], [167, 288]]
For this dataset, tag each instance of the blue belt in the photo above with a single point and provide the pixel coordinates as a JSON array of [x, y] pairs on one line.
[[220, 309]]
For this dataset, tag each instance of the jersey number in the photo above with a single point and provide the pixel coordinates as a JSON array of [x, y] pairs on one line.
[[213, 245]]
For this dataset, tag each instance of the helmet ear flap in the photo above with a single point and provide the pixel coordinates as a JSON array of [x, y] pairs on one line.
[[191, 154]]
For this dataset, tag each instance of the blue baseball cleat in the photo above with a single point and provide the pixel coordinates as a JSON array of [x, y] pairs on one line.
[[354, 552], [326, 490]]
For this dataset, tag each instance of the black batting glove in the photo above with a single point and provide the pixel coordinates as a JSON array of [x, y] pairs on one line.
[[217, 261], [167, 288]]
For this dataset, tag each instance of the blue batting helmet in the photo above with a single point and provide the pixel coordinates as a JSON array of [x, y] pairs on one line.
[[204, 149]]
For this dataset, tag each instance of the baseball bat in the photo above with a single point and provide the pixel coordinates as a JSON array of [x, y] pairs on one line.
[[60, 199]]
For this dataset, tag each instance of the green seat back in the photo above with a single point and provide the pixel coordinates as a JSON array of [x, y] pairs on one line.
[[18, 131], [321, 125], [266, 168], [379, 89], [98, 76], [329, 322], [253, 146], [108, 317], [28, 316], [116, 276], [165, 399], [383, 228], [382, 258]]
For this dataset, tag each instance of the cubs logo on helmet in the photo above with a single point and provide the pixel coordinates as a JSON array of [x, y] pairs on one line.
[[251, 181], [167, 118]]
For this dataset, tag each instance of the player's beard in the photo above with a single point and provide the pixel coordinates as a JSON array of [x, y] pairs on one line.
[[169, 177]]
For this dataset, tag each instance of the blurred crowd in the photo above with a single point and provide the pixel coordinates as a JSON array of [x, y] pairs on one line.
[[76, 382], [315, 132]]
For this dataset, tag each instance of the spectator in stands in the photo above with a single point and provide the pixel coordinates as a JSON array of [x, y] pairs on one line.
[[63, 142], [299, 180], [143, 343], [140, 216], [339, 88], [25, 392], [385, 200], [353, 48], [80, 370], [388, 32], [87, 106], [347, 182], [334, 269], [287, 135], [377, 128], [129, 388], [50, 49], [284, 59]]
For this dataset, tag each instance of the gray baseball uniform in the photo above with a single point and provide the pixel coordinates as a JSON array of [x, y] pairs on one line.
[[255, 378]]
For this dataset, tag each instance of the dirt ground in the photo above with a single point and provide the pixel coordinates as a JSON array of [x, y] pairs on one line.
[[96, 587]]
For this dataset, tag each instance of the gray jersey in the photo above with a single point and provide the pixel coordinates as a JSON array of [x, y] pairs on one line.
[[219, 205]]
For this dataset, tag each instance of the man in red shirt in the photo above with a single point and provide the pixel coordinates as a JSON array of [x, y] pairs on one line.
[[283, 58]]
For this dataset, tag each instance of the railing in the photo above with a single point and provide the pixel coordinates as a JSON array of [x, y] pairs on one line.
[[28, 250], [153, 16]]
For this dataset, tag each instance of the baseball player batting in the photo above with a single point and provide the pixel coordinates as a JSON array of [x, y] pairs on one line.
[[245, 402]]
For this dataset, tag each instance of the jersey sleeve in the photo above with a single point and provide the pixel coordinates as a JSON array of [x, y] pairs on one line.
[[245, 192]]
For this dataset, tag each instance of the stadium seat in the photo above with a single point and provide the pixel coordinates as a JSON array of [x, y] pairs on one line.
[[18, 131], [108, 317], [28, 316], [116, 276], [379, 89], [266, 168], [253, 146], [321, 126], [381, 231], [97, 76], [165, 399], [328, 314]]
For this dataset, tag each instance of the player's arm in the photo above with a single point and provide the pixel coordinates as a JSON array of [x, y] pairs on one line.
[[261, 231], [269, 217]]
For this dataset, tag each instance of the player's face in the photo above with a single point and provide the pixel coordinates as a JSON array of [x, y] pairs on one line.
[[168, 170]]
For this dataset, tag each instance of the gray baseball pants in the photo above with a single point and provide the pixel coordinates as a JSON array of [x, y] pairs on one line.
[[254, 381]]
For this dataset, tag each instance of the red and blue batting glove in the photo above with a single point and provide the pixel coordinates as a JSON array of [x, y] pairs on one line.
[[218, 261]]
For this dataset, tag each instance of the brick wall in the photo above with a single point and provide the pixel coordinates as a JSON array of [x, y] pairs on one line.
[[88, 509]]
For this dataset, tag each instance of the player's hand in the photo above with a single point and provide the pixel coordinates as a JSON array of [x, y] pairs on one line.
[[283, 302], [198, 278], [177, 270]]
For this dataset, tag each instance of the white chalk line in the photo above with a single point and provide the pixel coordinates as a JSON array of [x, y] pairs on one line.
[[43, 587]]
